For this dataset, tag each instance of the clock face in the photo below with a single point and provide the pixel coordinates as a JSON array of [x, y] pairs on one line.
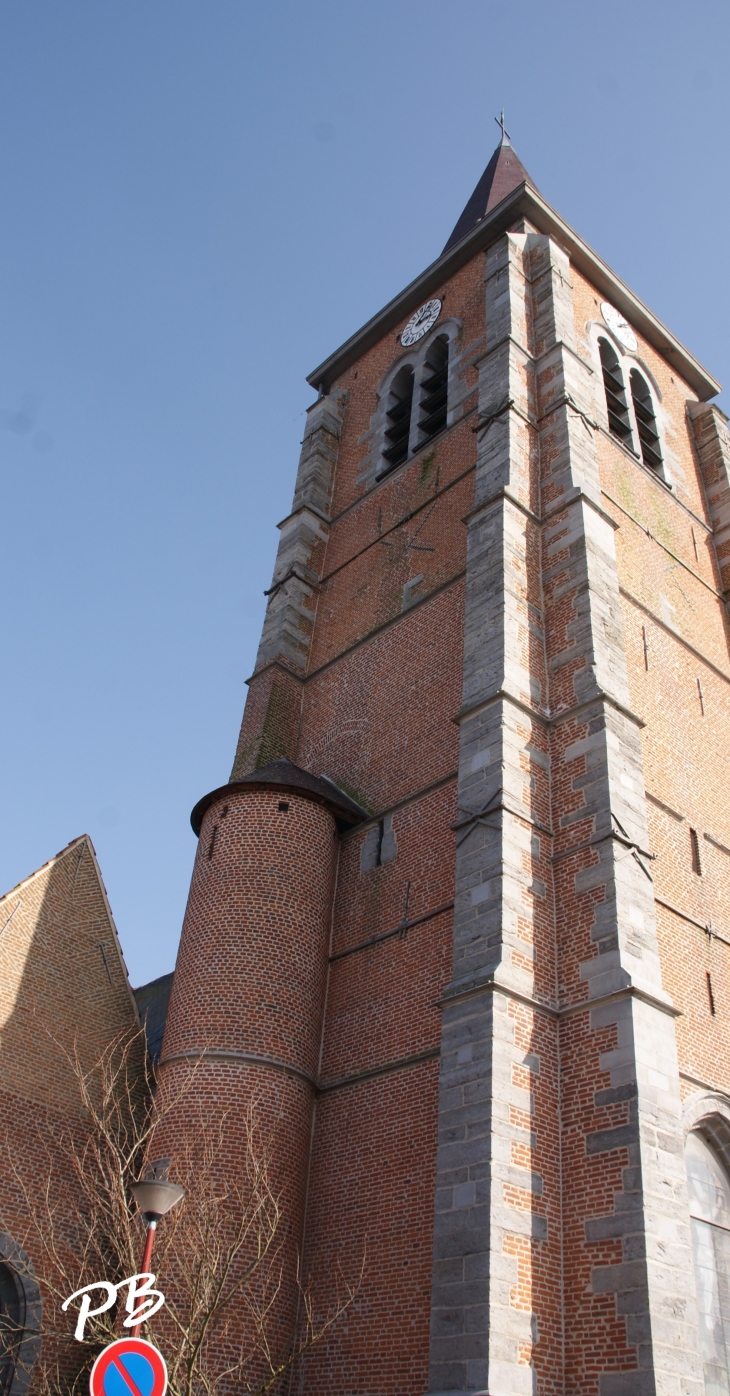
[[621, 328], [420, 323]]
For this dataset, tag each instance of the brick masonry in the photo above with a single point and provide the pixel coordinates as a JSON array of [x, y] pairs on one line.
[[487, 1005]]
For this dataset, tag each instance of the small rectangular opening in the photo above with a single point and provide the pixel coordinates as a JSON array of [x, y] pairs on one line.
[[710, 995], [283, 806], [695, 846]]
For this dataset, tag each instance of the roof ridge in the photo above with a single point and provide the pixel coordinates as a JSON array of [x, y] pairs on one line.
[[53, 859]]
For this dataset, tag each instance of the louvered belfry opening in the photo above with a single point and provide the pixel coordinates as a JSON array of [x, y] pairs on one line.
[[398, 415], [618, 412], [435, 389], [646, 421]]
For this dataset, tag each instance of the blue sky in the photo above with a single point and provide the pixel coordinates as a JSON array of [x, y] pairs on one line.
[[198, 202]]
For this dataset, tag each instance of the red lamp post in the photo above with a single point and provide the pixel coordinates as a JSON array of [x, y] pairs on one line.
[[155, 1195]]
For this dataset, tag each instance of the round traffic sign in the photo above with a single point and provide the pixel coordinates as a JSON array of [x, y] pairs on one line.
[[129, 1367]]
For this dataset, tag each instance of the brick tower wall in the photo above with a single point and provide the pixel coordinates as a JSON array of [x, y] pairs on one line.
[[496, 651]]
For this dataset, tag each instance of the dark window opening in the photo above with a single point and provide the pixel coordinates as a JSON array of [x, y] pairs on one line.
[[12, 1313], [398, 416], [710, 994], [283, 806], [645, 421], [695, 846], [619, 421], [435, 388], [211, 845]]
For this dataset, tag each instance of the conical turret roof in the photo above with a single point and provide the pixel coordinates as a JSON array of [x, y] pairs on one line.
[[282, 774], [504, 173]]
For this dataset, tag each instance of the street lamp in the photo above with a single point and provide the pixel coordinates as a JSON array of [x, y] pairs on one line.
[[154, 1195]]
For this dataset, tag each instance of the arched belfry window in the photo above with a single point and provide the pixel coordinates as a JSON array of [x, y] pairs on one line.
[[709, 1205], [398, 417], [619, 421], [645, 421], [434, 389]]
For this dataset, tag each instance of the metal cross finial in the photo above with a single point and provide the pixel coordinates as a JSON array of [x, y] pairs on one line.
[[505, 133]]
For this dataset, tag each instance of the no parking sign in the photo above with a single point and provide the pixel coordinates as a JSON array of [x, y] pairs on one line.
[[129, 1367]]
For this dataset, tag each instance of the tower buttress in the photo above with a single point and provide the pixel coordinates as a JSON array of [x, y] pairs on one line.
[[271, 719]]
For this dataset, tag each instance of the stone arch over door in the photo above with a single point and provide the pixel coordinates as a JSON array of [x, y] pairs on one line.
[[20, 1318]]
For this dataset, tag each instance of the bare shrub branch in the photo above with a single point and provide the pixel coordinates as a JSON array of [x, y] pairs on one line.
[[219, 1255]]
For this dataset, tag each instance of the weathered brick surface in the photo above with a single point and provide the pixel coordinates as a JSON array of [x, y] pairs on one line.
[[371, 1197], [365, 589], [348, 731]]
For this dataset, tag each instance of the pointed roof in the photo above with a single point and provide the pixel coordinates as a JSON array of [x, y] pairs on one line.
[[504, 173]]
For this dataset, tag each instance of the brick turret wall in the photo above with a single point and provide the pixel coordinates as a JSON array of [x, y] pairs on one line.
[[247, 1005]]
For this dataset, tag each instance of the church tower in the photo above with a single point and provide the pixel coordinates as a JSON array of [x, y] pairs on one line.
[[459, 916]]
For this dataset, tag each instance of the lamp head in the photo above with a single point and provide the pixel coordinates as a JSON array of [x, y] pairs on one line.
[[155, 1194]]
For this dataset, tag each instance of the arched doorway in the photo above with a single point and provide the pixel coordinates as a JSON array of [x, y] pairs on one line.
[[12, 1327], [20, 1319]]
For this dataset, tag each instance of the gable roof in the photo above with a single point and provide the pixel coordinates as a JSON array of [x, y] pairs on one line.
[[11, 901], [153, 1001]]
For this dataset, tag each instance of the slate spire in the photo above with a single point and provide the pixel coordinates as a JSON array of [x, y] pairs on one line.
[[503, 174]]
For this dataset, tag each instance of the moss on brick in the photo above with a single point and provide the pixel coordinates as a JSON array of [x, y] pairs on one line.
[[426, 471], [356, 793], [278, 735]]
